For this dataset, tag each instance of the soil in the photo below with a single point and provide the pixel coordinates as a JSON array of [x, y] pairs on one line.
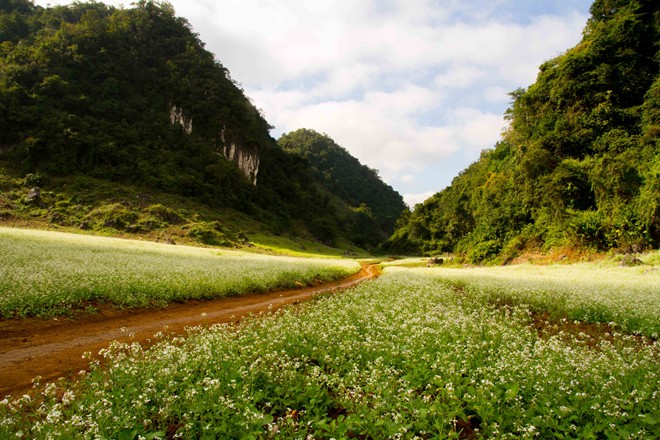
[[54, 348], [588, 333]]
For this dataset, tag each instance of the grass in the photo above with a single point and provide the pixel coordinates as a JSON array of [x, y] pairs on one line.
[[404, 356], [48, 273], [299, 247]]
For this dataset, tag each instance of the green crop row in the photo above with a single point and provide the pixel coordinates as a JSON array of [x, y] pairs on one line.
[[403, 356], [45, 273]]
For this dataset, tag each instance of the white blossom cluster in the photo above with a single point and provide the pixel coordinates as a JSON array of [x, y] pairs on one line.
[[626, 297], [403, 356], [46, 273]]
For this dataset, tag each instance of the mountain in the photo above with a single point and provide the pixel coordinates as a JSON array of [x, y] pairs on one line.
[[110, 112], [579, 166], [369, 207]]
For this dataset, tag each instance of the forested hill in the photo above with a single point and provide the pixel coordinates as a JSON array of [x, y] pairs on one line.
[[372, 206], [91, 95], [579, 166]]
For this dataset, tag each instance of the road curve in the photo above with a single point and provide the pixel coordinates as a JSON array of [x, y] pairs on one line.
[[54, 348]]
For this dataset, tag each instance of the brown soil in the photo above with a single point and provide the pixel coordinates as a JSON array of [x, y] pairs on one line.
[[587, 333], [54, 348], [466, 429]]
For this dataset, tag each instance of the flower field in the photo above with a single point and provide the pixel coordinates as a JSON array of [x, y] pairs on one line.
[[417, 353], [628, 297], [45, 273]]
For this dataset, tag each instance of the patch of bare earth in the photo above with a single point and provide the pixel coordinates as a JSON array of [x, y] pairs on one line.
[[586, 333]]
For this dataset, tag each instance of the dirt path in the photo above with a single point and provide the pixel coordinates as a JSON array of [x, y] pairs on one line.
[[54, 348]]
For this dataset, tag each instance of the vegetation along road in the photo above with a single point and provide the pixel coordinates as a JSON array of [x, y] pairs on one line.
[[53, 348]]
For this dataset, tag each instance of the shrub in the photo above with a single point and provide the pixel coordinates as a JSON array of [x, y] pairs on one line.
[[115, 215], [165, 214], [210, 233], [482, 251], [626, 232]]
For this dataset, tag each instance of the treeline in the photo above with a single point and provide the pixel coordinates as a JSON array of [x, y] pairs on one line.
[[88, 89], [580, 164]]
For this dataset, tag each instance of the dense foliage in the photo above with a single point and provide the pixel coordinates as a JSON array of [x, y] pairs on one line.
[[131, 96], [579, 165], [373, 206]]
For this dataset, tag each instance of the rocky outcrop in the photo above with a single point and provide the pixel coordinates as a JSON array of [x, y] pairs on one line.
[[245, 157], [178, 117], [34, 197]]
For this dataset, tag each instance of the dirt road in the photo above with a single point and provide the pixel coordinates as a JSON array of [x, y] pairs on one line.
[[54, 348]]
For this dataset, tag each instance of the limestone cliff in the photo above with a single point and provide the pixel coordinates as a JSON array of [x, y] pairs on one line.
[[178, 117], [245, 157]]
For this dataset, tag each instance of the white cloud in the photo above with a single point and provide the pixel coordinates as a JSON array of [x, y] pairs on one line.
[[407, 178], [418, 84], [346, 79], [413, 199], [496, 94], [476, 130], [460, 77], [389, 136]]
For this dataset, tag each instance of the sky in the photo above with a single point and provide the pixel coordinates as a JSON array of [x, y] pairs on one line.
[[415, 89]]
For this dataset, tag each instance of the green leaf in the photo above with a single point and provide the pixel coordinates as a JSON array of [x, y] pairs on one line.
[[649, 420], [127, 434], [511, 391]]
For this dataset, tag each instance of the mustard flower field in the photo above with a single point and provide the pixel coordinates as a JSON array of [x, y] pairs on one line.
[[47, 273], [415, 354]]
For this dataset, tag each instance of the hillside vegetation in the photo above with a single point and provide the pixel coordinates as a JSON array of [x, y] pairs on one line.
[[370, 206], [579, 165], [130, 101]]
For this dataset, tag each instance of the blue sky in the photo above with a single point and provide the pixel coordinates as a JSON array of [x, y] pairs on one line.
[[413, 88]]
